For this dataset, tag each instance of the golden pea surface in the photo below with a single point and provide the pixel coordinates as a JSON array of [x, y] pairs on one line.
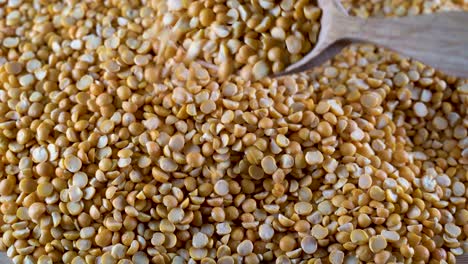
[[146, 132]]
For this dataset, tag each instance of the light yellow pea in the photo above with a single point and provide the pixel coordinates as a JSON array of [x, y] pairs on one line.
[[294, 44], [221, 187], [245, 248], [314, 157], [72, 163], [319, 232], [260, 69], [377, 243], [359, 237]]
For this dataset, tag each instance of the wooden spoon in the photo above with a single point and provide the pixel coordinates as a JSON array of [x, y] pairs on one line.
[[439, 40]]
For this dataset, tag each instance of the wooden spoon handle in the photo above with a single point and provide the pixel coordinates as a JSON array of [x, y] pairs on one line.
[[438, 40]]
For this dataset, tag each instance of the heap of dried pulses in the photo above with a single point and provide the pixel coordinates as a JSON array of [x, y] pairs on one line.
[[119, 148], [251, 38]]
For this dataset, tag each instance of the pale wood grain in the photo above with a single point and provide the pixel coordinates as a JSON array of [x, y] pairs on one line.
[[462, 259], [439, 40], [4, 259]]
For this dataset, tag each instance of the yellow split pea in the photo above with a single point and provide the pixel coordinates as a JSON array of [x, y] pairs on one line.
[[137, 133]]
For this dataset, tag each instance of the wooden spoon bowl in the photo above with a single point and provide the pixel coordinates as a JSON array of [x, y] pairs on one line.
[[439, 40]]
